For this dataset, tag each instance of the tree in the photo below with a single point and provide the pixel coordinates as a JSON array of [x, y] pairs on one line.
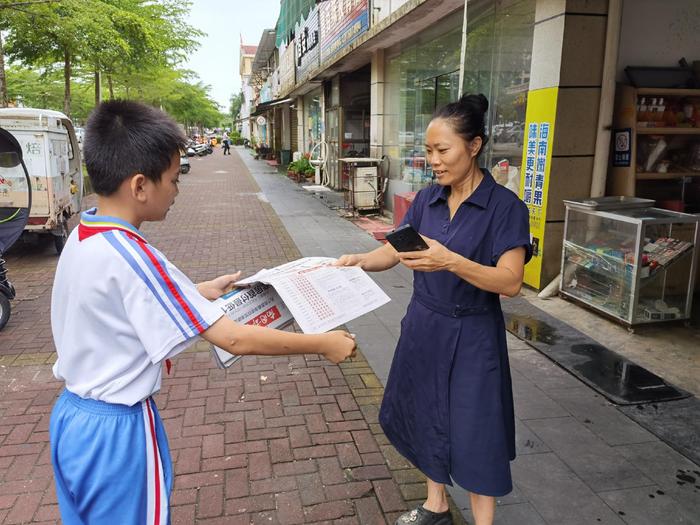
[[58, 33], [235, 104], [111, 35], [17, 6], [44, 89], [156, 34]]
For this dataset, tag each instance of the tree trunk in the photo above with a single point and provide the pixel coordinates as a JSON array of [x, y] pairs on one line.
[[66, 82], [111, 87], [3, 78], [98, 85]]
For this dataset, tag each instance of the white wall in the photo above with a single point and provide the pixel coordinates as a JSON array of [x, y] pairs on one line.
[[658, 33], [383, 8]]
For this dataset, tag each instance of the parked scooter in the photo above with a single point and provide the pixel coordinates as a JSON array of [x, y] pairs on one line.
[[184, 164], [200, 149], [15, 203]]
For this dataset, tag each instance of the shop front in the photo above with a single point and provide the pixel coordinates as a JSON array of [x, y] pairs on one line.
[[313, 119], [347, 102], [420, 74], [423, 74]]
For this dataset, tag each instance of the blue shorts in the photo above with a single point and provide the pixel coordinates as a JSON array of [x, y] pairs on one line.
[[111, 462]]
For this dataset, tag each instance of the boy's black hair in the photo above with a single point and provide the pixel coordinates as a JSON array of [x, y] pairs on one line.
[[123, 138]]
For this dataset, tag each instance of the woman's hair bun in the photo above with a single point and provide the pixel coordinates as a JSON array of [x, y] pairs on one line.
[[467, 117], [475, 102]]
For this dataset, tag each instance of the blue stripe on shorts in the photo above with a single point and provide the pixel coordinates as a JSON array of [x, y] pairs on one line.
[[100, 460]]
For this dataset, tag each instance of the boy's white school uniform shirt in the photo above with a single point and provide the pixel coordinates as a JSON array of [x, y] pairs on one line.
[[118, 309]]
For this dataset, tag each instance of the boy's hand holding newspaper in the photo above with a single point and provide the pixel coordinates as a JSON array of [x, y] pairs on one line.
[[215, 288]]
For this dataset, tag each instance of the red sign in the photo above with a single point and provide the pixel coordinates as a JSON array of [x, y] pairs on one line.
[[265, 317]]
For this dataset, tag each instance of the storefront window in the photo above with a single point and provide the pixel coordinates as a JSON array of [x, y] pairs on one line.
[[421, 75], [313, 119], [497, 63]]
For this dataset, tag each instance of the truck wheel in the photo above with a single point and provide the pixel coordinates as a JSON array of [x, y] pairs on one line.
[[4, 310]]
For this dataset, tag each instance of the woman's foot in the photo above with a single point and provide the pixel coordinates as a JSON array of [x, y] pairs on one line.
[[422, 516]]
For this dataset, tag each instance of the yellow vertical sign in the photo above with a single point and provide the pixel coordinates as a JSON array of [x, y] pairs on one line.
[[534, 177]]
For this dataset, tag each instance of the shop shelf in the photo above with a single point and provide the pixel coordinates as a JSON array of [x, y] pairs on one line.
[[666, 176], [643, 130]]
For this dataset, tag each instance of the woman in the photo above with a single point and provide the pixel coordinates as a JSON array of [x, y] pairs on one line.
[[448, 404]]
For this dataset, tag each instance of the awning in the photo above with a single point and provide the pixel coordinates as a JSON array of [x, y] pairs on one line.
[[265, 49], [266, 106], [291, 12], [413, 17]]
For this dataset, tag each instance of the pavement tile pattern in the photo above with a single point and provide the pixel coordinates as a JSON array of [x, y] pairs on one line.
[[580, 459], [272, 440]]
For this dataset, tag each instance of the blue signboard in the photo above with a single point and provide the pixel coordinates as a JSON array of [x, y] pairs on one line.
[[342, 22]]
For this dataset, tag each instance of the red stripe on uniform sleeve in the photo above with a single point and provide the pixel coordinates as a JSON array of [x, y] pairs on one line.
[[169, 283]]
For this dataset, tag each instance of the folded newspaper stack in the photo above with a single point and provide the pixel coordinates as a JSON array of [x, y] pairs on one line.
[[310, 291], [258, 305]]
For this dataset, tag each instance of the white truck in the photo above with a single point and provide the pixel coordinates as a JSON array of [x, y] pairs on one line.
[[52, 156]]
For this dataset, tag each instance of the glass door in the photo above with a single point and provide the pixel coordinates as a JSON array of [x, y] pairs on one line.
[[431, 94]]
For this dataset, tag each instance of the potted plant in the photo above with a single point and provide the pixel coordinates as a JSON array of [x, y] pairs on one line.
[[293, 170], [304, 167]]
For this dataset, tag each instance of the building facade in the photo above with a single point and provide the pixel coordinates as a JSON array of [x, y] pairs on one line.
[[368, 76], [246, 57]]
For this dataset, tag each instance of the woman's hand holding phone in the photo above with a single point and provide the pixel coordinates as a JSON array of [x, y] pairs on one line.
[[435, 258]]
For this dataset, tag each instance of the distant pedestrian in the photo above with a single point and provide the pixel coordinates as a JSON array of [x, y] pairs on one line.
[[119, 310], [227, 144], [448, 404]]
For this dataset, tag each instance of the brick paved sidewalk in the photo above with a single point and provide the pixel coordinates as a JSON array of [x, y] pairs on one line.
[[272, 440]]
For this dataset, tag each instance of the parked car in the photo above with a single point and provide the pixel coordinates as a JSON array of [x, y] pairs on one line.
[[52, 155]]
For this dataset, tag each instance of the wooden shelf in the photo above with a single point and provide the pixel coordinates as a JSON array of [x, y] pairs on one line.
[[667, 131], [666, 176], [626, 180], [668, 92]]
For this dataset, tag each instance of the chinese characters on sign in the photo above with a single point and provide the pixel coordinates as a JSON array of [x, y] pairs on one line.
[[542, 147], [536, 175], [531, 153], [307, 41], [342, 22], [306, 44], [536, 150], [536, 163]]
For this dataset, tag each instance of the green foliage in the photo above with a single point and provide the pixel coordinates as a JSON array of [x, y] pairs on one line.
[[235, 105], [302, 166], [44, 89], [136, 46]]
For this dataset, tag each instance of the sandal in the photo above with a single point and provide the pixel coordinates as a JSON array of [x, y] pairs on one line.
[[422, 516]]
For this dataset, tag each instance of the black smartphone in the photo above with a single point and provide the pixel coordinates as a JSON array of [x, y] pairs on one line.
[[406, 239]]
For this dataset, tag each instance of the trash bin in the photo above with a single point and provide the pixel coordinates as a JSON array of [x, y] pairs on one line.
[[285, 157]]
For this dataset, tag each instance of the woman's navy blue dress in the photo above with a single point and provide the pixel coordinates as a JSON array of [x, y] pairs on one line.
[[448, 403]]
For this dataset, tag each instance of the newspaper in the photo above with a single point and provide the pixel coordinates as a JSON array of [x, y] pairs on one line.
[[320, 296], [257, 305]]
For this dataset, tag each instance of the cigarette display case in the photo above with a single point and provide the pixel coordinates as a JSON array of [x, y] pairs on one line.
[[628, 260]]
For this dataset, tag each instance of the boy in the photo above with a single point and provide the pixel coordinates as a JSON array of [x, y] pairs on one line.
[[118, 310]]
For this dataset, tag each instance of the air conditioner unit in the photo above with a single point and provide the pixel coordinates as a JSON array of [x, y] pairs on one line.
[[364, 187]]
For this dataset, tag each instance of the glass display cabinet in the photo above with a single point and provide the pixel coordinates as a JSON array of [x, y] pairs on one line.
[[628, 260]]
